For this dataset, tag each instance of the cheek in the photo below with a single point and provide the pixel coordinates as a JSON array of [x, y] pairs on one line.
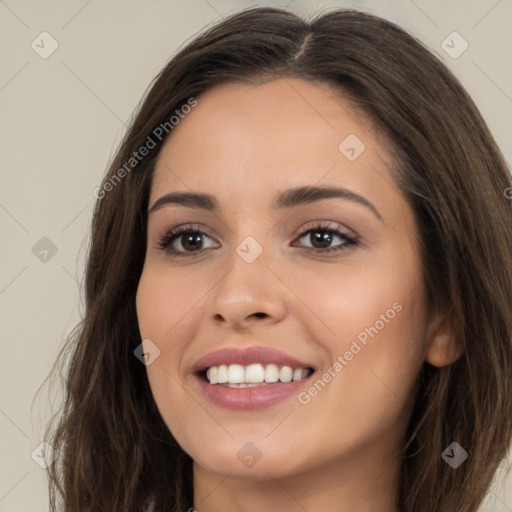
[[162, 318], [366, 390], [162, 309], [373, 318], [163, 302], [346, 299]]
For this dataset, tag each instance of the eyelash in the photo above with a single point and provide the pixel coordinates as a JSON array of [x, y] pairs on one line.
[[165, 241]]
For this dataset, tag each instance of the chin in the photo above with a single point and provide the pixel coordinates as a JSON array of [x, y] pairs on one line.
[[242, 459]]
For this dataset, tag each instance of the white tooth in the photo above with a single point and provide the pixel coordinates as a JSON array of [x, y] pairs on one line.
[[285, 374], [222, 374], [212, 375], [271, 373], [254, 373], [297, 374], [236, 374]]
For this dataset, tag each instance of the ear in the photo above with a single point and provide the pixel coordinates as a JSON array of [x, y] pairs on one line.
[[446, 345]]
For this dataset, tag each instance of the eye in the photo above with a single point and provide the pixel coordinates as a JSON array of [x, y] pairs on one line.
[[322, 236], [184, 241], [189, 240]]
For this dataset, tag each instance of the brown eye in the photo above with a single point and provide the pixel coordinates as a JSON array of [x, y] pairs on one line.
[[184, 241], [321, 239]]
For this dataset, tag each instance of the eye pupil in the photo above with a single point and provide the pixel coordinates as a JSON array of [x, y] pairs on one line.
[[324, 238], [192, 241]]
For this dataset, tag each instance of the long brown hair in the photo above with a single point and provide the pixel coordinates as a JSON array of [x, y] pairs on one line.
[[115, 451]]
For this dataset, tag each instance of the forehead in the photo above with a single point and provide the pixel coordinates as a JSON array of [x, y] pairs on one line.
[[274, 134]]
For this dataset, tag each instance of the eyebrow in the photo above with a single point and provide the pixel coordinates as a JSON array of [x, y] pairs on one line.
[[286, 199]]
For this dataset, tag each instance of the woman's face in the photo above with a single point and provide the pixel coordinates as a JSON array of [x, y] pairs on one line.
[[274, 277]]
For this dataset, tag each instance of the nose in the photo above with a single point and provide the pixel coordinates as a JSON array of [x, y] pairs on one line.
[[249, 294]]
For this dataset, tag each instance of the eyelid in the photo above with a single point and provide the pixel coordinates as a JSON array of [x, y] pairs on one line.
[[327, 225]]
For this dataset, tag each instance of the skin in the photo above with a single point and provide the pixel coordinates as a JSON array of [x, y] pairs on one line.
[[341, 451]]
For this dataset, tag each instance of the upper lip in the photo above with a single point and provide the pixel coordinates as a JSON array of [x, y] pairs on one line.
[[246, 356]]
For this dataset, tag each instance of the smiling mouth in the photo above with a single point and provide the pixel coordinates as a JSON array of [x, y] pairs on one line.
[[253, 375]]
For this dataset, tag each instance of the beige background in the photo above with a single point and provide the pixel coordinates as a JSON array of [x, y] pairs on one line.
[[62, 118]]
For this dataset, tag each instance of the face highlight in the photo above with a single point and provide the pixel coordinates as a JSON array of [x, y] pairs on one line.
[[277, 236]]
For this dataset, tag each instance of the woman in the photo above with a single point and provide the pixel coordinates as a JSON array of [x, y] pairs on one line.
[[299, 284]]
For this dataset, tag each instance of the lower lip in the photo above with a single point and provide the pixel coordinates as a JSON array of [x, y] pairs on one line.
[[250, 398]]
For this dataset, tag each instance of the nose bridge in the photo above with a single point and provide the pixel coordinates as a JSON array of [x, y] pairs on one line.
[[248, 289]]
